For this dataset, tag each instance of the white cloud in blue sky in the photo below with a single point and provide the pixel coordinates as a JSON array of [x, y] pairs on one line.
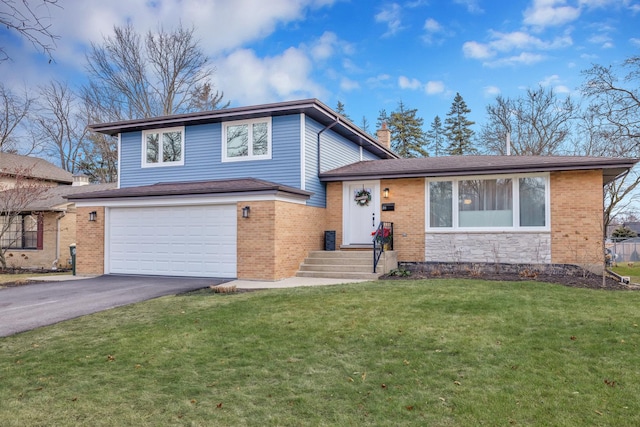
[[367, 54]]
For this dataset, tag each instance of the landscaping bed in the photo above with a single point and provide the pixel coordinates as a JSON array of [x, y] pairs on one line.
[[571, 276]]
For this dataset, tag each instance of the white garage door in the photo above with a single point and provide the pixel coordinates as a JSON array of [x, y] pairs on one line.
[[198, 241]]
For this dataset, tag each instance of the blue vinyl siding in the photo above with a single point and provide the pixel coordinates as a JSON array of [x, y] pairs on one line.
[[335, 152], [203, 157]]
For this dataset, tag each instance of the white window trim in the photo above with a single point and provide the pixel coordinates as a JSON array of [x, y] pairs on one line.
[[160, 162], [250, 156], [516, 205]]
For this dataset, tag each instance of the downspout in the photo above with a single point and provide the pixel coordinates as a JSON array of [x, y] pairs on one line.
[[55, 262], [337, 120]]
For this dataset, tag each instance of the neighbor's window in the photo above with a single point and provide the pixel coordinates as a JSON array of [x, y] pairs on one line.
[[163, 147], [247, 140], [477, 203], [21, 233]]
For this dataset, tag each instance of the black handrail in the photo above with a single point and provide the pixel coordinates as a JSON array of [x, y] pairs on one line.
[[383, 236]]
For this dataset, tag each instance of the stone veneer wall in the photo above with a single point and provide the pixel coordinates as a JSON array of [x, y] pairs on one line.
[[530, 248]]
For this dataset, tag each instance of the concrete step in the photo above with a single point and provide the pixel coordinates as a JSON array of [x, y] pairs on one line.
[[341, 268], [341, 254], [334, 275], [341, 261]]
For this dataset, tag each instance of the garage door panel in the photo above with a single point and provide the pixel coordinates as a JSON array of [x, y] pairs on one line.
[[180, 241]]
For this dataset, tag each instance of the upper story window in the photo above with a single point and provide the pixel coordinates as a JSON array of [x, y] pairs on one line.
[[246, 140], [504, 202], [164, 147]]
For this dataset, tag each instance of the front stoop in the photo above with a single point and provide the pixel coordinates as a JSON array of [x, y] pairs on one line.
[[346, 265]]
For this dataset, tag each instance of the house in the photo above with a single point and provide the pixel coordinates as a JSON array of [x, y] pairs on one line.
[[250, 192], [43, 231]]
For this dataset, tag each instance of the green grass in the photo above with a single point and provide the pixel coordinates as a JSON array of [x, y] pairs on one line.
[[436, 353], [628, 269]]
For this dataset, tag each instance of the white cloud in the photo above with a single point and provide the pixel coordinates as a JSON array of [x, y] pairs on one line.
[[349, 85], [432, 26], [519, 44], [378, 81], [407, 83], [477, 50], [434, 87], [391, 17], [491, 91], [471, 5], [635, 41], [550, 13], [562, 89], [247, 79], [549, 80], [524, 58]]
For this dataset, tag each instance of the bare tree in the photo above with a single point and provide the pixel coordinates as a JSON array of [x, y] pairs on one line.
[[30, 19], [60, 126], [19, 224], [616, 98], [159, 74], [14, 110], [537, 124]]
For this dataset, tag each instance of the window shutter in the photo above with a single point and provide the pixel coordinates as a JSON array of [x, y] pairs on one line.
[[40, 244]]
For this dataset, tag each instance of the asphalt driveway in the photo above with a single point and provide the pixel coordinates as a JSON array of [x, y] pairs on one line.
[[28, 307]]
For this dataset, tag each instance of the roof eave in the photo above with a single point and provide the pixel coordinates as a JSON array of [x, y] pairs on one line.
[[312, 107]]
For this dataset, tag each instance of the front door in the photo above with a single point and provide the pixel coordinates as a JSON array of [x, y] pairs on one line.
[[361, 211]]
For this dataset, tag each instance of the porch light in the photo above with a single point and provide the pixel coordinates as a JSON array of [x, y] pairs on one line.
[[385, 193], [93, 215], [245, 212]]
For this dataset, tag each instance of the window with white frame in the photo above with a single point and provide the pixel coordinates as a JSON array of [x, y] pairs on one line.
[[504, 202], [164, 147], [246, 140]]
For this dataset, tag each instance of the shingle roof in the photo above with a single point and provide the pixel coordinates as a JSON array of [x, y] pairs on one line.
[[37, 168], [241, 185], [476, 165], [55, 198]]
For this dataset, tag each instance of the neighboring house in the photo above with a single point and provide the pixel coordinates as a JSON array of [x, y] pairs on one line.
[[41, 236], [249, 192]]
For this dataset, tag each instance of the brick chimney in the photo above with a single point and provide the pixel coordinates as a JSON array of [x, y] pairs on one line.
[[384, 136]]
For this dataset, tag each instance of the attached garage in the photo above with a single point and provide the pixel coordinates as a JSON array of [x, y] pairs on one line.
[[196, 240]]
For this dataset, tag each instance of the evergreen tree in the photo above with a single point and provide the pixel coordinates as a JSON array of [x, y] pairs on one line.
[[340, 110], [365, 125], [383, 117], [457, 128], [436, 137], [407, 137]]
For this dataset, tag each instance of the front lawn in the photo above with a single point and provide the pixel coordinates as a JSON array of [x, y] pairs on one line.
[[433, 352], [631, 269]]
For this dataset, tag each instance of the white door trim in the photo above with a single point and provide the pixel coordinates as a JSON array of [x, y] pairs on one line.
[[369, 215]]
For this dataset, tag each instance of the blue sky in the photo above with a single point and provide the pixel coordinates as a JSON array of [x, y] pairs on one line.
[[367, 54]]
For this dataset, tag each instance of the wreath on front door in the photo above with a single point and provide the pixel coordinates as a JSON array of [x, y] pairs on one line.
[[362, 197]]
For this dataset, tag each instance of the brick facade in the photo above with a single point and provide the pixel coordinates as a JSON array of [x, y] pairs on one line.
[[278, 235], [577, 218], [276, 238], [408, 217], [90, 241], [44, 258]]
